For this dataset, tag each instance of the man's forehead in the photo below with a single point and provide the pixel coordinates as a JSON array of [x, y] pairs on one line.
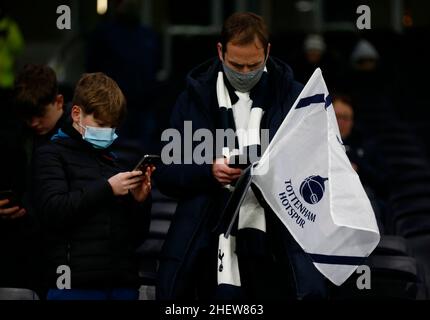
[[245, 54], [235, 43]]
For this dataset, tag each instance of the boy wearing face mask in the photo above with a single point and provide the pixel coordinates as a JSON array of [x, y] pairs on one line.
[[93, 214], [245, 89]]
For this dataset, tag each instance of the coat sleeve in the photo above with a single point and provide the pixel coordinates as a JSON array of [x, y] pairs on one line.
[[182, 180], [140, 216], [56, 205]]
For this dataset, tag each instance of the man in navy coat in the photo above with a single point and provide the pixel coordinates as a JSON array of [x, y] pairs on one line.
[[188, 266]]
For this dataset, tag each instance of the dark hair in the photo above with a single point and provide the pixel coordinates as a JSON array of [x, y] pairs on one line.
[[99, 95], [344, 98], [242, 27], [35, 87]]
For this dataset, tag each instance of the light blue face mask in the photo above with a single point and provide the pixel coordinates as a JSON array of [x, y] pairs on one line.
[[100, 138]]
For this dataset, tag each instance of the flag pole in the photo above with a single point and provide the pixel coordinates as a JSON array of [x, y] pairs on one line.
[[241, 189]]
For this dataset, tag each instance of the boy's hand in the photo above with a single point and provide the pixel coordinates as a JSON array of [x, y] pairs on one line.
[[10, 213], [125, 181], [141, 192]]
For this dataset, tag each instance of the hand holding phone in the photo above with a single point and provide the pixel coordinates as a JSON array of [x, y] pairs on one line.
[[12, 198], [223, 173], [146, 161], [10, 206], [235, 162], [141, 192]]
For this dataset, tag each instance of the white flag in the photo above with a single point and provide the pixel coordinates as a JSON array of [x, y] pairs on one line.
[[308, 181]]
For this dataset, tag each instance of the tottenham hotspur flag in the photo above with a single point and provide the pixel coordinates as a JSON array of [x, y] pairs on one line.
[[308, 181]]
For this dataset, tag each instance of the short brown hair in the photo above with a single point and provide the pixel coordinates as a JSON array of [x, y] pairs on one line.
[[35, 87], [99, 95], [242, 28], [343, 98]]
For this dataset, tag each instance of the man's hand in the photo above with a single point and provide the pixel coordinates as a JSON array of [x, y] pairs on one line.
[[125, 181], [142, 192], [10, 213], [223, 173]]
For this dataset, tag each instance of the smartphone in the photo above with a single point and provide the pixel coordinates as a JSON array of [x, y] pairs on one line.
[[235, 163], [238, 166], [12, 197], [147, 160]]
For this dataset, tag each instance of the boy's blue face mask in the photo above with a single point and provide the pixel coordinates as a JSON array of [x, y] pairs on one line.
[[100, 138]]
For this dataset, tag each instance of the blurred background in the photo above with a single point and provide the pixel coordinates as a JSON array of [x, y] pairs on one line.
[[381, 74], [148, 46]]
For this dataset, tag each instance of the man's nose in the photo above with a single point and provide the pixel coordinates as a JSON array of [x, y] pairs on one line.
[[245, 69]]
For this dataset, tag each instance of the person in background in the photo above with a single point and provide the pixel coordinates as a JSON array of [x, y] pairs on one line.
[[314, 48], [316, 55], [364, 57], [39, 105], [129, 52], [11, 45], [30, 117], [364, 157], [41, 112], [369, 82]]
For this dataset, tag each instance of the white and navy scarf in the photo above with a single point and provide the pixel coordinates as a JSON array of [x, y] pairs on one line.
[[251, 222]]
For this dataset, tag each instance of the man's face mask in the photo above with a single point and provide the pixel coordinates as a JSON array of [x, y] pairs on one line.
[[100, 138], [243, 82]]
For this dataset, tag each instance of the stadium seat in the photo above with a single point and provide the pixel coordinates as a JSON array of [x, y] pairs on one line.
[[162, 212], [411, 190], [413, 224], [402, 150], [392, 246], [412, 177], [392, 277], [407, 205], [419, 245], [399, 164], [17, 294]]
